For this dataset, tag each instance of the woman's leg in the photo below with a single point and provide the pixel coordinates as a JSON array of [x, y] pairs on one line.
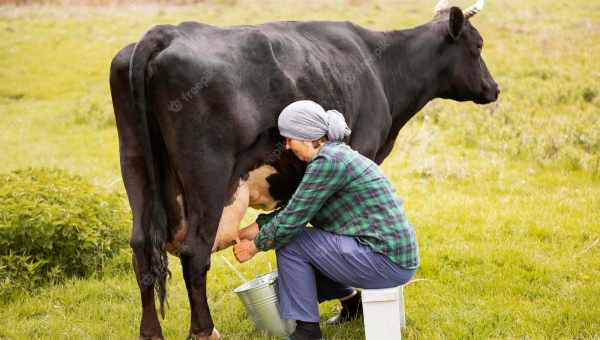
[[340, 258], [327, 289], [297, 285]]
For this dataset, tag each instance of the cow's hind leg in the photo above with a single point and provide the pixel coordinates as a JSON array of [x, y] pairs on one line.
[[205, 197], [205, 174], [134, 177], [203, 142]]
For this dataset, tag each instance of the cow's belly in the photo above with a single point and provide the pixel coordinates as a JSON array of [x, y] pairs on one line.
[[253, 192]]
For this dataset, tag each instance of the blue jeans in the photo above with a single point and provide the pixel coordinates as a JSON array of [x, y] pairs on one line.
[[318, 266]]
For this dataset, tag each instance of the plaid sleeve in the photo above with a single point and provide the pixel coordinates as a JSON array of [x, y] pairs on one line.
[[263, 219], [323, 177]]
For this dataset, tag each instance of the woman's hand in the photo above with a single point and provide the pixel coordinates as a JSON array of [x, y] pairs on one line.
[[244, 250], [249, 232]]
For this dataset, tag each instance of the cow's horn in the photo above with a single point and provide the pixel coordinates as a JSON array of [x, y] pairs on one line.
[[471, 11], [440, 6]]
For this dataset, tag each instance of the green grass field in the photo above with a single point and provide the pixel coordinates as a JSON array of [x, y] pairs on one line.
[[505, 198]]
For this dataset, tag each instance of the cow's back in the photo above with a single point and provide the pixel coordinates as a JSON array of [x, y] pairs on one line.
[[276, 63]]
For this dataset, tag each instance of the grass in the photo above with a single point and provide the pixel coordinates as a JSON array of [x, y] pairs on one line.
[[505, 198]]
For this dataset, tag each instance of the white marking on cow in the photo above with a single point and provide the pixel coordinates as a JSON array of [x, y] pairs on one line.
[[260, 198], [173, 247]]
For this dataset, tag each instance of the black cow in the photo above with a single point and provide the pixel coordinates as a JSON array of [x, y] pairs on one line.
[[196, 109]]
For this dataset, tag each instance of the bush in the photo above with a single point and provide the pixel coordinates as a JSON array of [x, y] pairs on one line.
[[53, 226]]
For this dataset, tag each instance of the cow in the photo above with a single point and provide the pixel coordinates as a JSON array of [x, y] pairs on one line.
[[196, 110]]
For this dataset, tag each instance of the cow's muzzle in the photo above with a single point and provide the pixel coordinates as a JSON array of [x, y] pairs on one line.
[[490, 94]]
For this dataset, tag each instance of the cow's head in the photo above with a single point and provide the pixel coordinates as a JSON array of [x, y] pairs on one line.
[[467, 76]]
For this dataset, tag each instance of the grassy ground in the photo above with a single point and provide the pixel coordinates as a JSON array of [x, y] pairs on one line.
[[505, 198]]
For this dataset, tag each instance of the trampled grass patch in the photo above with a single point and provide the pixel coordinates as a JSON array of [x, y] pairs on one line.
[[505, 197]]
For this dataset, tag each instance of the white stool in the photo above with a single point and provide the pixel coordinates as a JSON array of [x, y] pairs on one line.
[[383, 311]]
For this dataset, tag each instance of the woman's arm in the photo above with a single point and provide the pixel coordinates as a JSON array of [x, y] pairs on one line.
[[323, 177], [249, 232]]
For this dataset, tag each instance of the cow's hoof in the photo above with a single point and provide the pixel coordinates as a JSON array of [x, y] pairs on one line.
[[214, 336], [154, 337]]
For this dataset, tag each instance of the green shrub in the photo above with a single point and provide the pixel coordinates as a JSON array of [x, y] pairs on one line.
[[53, 226], [589, 94]]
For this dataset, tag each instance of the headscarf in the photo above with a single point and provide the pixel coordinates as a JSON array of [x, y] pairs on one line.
[[306, 120]]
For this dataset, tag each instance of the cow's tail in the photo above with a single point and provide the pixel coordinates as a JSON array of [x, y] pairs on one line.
[[156, 231]]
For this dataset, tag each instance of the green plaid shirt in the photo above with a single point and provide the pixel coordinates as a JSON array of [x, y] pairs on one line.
[[345, 193]]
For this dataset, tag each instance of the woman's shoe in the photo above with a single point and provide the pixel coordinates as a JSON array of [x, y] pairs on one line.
[[306, 331], [351, 310]]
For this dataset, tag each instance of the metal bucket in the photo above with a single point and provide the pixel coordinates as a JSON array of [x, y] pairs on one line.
[[260, 296]]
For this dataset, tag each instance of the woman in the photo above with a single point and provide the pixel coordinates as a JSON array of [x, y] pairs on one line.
[[360, 238]]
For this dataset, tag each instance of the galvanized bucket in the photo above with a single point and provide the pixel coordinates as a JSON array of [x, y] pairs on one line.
[[260, 297]]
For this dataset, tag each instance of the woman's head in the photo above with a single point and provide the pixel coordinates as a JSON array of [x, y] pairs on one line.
[[305, 150], [307, 126]]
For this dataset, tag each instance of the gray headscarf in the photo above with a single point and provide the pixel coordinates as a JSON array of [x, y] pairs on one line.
[[308, 121]]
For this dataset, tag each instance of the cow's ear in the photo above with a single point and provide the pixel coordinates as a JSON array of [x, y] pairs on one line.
[[456, 22]]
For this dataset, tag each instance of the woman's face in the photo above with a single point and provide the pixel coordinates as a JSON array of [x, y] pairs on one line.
[[305, 150]]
